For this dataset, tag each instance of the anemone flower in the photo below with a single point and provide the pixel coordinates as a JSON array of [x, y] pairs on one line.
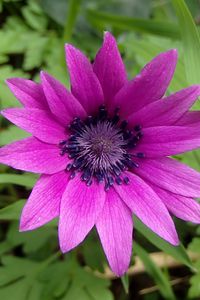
[[103, 150]]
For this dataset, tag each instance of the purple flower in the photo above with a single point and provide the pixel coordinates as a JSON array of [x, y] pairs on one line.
[[103, 150]]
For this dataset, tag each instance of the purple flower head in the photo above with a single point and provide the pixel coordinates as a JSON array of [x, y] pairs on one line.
[[103, 150]]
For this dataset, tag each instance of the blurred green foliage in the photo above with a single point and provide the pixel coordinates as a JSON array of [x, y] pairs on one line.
[[32, 37]]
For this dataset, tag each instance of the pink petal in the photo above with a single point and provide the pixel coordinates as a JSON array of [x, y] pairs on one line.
[[32, 155], [109, 68], [182, 207], [43, 204], [80, 207], [115, 227], [85, 85], [38, 122], [189, 119], [149, 86], [171, 175], [148, 207], [166, 111], [61, 102], [168, 140], [29, 93]]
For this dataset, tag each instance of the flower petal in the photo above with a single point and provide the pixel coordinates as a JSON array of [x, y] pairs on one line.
[[115, 227], [166, 111], [148, 207], [38, 122], [43, 205], [168, 140], [171, 175], [62, 103], [29, 93], [33, 155], [109, 68], [149, 86], [80, 207], [189, 119], [85, 85], [182, 207]]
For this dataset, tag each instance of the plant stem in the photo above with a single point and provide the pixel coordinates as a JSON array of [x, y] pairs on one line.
[[71, 19], [70, 23]]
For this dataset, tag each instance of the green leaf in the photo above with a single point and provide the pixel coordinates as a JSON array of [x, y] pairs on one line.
[[23, 180], [4, 247], [155, 272], [95, 259], [32, 241], [125, 282], [96, 288], [22, 290], [34, 16], [191, 41], [191, 159], [17, 277], [194, 246], [163, 28], [15, 268], [6, 97], [57, 10], [13, 211], [194, 290], [178, 252], [69, 280], [145, 49], [11, 134], [57, 277], [35, 52], [70, 19]]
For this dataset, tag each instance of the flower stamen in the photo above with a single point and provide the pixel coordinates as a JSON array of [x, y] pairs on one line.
[[99, 148]]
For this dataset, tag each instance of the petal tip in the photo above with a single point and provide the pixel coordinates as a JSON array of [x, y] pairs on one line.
[[29, 224], [23, 226], [44, 75], [69, 48], [107, 34], [64, 248], [10, 82], [173, 53], [174, 240]]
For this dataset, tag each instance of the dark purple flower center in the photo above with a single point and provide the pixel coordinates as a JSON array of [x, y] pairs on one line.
[[99, 148]]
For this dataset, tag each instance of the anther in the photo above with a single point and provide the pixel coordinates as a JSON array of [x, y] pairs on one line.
[[69, 167], [115, 119], [110, 180], [86, 175], [62, 143], [118, 180], [72, 175], [137, 127], [123, 124], [89, 120], [72, 155], [102, 112], [100, 177], [107, 187], [140, 155], [116, 170], [127, 134], [126, 180], [89, 182], [139, 134], [77, 163], [98, 147]]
